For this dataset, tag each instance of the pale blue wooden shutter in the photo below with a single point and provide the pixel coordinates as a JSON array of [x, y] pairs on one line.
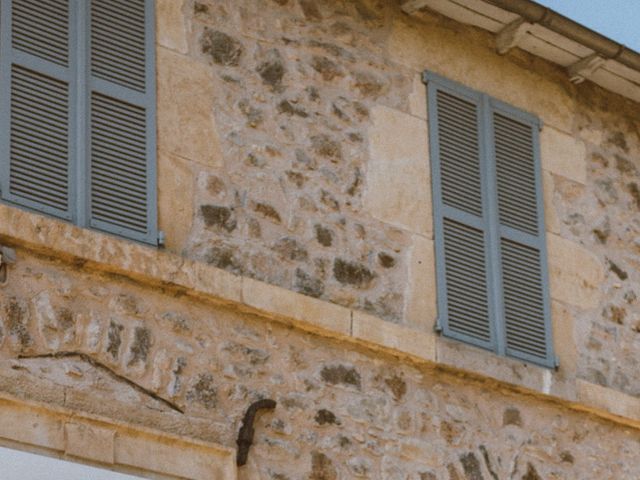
[[522, 250], [122, 186], [38, 78], [461, 224]]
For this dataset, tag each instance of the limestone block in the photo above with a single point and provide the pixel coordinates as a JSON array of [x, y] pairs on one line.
[[173, 458], [90, 442], [421, 297], [552, 221], [609, 400], [476, 360], [418, 98], [31, 427], [374, 330], [563, 154], [575, 274], [186, 124], [285, 304], [564, 341], [207, 281], [171, 31], [476, 64], [397, 181], [175, 200]]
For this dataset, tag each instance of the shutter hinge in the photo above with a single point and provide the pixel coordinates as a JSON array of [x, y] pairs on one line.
[[161, 238], [437, 327], [556, 364]]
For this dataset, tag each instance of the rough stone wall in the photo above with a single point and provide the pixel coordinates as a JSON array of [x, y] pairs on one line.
[[108, 346], [604, 216], [301, 159], [294, 87]]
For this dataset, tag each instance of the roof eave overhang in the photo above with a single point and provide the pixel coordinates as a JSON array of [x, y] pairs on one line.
[[585, 54]]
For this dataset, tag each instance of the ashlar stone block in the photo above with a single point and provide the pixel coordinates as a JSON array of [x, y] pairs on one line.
[[575, 273], [171, 30], [90, 442], [175, 200], [563, 154], [186, 99], [397, 180], [373, 330], [421, 298]]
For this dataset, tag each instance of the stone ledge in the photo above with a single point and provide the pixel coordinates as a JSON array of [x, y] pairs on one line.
[[104, 442], [593, 397], [109, 254]]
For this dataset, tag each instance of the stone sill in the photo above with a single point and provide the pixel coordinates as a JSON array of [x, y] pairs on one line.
[[109, 254]]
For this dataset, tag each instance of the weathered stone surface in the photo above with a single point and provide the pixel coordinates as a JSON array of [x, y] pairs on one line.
[[378, 332], [360, 411], [298, 99], [563, 154], [397, 181], [421, 296], [472, 61], [418, 98], [90, 442], [186, 123], [299, 307], [608, 399], [171, 28], [221, 47], [575, 274], [175, 200]]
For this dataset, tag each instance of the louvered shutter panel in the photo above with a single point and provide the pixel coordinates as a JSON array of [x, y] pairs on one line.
[[461, 226], [122, 111], [522, 249], [37, 71]]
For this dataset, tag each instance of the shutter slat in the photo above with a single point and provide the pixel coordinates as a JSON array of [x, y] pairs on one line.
[[41, 29], [39, 139], [466, 279], [118, 42], [107, 140], [523, 300], [515, 166], [459, 153]]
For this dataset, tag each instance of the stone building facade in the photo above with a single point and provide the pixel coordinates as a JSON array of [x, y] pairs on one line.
[[294, 193]]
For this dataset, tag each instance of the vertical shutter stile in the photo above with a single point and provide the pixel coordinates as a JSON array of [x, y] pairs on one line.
[[37, 71], [522, 249], [122, 110], [461, 225]]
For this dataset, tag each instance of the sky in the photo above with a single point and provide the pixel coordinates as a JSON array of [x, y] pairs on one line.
[[16, 465], [617, 19]]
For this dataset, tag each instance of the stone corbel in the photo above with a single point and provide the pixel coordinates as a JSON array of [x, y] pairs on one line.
[[511, 35], [412, 6], [585, 68]]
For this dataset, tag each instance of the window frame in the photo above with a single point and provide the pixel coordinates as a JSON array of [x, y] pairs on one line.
[[492, 228], [80, 83]]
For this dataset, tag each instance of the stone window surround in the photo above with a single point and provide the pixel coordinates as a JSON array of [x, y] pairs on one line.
[[95, 441], [28, 232]]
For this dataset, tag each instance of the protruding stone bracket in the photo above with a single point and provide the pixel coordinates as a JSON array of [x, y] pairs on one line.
[[511, 35], [245, 436], [585, 68], [412, 6]]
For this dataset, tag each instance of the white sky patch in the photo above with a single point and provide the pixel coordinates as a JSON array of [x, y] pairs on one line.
[[17, 465]]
